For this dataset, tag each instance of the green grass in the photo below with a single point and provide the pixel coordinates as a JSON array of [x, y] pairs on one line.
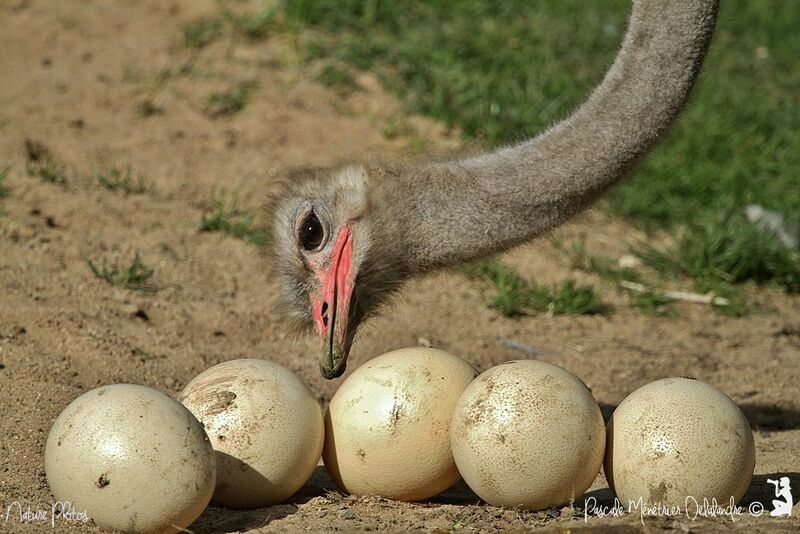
[[502, 71], [605, 267], [228, 218], [730, 250], [652, 302], [148, 108], [232, 100], [143, 355], [568, 298], [397, 127], [254, 26], [337, 77], [202, 32], [122, 181], [3, 177], [668, 263], [3, 188], [134, 276], [458, 523], [513, 295], [48, 170]]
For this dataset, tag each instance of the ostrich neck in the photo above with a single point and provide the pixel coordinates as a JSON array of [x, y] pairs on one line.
[[461, 210]]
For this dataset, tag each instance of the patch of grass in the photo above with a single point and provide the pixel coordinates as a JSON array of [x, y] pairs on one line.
[[202, 32], [606, 268], [3, 188], [419, 144], [256, 25], [569, 298], [515, 296], [134, 276], [122, 181], [652, 302], [232, 100], [227, 217], [3, 178], [727, 251], [143, 355], [511, 290], [738, 305], [458, 524], [148, 108], [48, 169], [337, 77], [397, 127]]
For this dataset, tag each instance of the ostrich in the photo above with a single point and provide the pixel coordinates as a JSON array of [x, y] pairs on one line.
[[347, 238]]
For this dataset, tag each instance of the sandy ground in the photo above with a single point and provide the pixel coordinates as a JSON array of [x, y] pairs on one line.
[[73, 78]]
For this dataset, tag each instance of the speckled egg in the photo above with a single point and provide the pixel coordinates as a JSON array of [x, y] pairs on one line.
[[266, 428], [387, 430], [131, 457], [528, 434], [677, 439]]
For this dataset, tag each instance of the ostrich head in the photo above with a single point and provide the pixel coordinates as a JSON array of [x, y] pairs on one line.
[[334, 257]]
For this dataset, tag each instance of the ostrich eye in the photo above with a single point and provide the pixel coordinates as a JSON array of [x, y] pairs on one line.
[[311, 233]]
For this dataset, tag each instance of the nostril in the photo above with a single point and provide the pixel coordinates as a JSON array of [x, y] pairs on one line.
[[324, 313]]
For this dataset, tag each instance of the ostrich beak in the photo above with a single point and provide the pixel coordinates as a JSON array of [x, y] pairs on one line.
[[331, 311]]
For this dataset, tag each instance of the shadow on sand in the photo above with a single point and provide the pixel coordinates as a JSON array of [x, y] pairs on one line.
[[220, 519]]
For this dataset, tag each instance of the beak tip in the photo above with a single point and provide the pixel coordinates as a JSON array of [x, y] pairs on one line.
[[330, 373], [332, 365]]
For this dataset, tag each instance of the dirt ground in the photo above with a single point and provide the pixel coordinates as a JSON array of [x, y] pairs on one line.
[[74, 77]]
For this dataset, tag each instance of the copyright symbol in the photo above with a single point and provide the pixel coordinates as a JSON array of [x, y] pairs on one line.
[[756, 508]]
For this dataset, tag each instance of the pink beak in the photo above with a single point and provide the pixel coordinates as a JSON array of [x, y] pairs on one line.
[[331, 312]]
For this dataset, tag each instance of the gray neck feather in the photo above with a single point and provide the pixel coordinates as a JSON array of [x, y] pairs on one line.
[[457, 211]]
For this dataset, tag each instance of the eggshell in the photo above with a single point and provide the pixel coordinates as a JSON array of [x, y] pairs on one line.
[[678, 438], [266, 428], [528, 434], [133, 458], [388, 426]]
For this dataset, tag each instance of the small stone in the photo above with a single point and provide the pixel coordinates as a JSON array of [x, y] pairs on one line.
[[26, 232], [348, 514], [128, 309], [629, 261]]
